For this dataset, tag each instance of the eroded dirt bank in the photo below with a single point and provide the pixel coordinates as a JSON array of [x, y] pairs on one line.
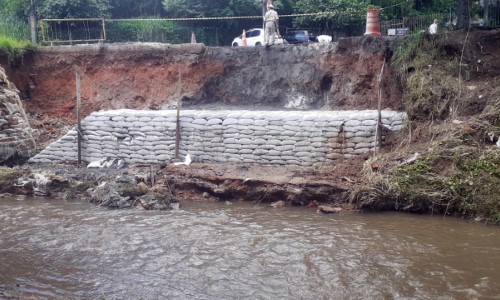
[[156, 76], [446, 162], [152, 76]]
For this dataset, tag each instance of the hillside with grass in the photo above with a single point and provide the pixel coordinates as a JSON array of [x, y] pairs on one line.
[[447, 160]]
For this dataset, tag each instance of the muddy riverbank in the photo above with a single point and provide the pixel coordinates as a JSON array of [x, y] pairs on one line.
[[138, 185]]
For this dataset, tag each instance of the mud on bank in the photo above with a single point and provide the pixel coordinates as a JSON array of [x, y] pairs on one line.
[[158, 187]]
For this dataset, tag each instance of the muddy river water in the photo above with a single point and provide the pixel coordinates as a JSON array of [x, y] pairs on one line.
[[57, 248]]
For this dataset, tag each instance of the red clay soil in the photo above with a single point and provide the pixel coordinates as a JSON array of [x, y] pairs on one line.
[[143, 76]]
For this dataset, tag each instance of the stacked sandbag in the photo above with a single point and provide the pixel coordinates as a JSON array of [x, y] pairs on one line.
[[17, 139], [261, 137]]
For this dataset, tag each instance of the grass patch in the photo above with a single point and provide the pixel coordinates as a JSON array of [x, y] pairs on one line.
[[427, 65], [14, 37], [470, 191], [14, 49]]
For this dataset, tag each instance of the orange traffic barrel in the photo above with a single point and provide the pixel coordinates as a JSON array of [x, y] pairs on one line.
[[372, 22], [244, 38]]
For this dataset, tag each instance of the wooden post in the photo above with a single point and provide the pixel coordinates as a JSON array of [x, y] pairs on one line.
[[378, 131], [104, 28], [79, 126], [178, 124]]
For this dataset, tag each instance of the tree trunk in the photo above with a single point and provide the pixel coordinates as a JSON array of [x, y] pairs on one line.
[[32, 22], [463, 13]]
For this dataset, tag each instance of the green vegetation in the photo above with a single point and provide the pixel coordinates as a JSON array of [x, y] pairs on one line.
[[347, 16], [13, 49], [14, 37], [458, 173], [12, 26], [469, 187], [428, 67]]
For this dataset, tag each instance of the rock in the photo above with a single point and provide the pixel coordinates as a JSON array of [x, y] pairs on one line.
[[329, 209], [296, 197], [107, 163], [142, 187], [14, 124], [24, 186], [277, 204], [106, 194], [154, 201], [175, 206]]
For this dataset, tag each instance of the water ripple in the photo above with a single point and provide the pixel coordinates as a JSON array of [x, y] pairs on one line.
[[212, 251]]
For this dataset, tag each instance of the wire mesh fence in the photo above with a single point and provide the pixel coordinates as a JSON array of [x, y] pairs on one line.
[[220, 32], [491, 15], [61, 31], [71, 31], [415, 24]]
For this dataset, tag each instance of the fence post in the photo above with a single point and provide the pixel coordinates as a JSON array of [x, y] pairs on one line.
[[178, 121], [79, 126]]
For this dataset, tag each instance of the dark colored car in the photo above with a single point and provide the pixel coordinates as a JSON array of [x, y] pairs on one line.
[[300, 36]]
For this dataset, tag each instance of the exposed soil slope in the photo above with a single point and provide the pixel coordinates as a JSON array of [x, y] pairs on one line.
[[155, 76], [446, 162]]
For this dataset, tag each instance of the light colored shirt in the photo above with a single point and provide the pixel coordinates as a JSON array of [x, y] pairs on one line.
[[271, 16], [433, 28]]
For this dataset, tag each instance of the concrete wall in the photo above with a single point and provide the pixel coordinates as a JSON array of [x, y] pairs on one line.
[[262, 137]]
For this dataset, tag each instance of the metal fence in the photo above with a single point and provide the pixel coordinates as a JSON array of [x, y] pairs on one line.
[[220, 32], [447, 22], [491, 15], [73, 31], [415, 24]]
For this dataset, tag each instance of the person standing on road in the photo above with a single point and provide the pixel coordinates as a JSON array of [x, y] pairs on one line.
[[434, 27], [271, 25]]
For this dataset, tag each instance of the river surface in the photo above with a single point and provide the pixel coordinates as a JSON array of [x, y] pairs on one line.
[[57, 248]]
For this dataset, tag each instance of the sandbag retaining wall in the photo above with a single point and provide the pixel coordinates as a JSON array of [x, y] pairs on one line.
[[262, 137]]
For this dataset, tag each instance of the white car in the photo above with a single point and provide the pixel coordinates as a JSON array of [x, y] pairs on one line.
[[255, 37]]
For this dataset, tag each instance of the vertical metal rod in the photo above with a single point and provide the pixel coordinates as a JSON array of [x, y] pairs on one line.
[[264, 7], [104, 28], [79, 126], [178, 125], [378, 132]]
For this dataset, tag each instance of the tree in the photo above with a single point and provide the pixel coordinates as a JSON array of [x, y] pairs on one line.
[[226, 29], [134, 8], [15, 7], [338, 14], [59, 9], [463, 13]]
